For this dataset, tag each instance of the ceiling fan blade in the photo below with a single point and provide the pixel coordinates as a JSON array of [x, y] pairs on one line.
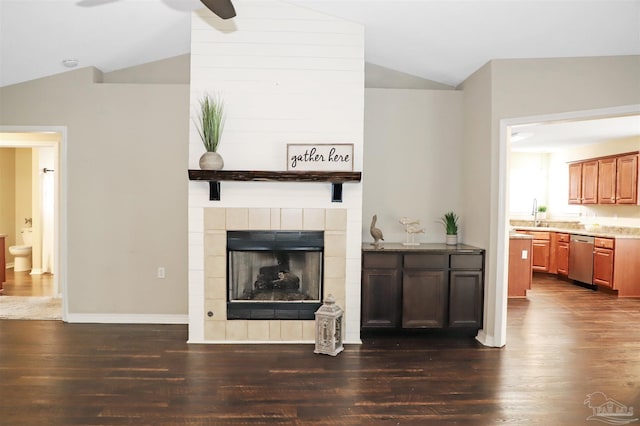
[[222, 8]]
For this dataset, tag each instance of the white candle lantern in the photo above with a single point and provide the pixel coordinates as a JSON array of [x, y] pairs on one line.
[[329, 328]]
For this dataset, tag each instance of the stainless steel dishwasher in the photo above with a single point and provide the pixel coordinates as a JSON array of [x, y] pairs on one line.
[[581, 258]]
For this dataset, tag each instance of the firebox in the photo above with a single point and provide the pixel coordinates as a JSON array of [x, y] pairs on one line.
[[274, 274]]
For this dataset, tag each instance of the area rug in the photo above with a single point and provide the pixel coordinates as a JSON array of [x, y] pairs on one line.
[[32, 308]]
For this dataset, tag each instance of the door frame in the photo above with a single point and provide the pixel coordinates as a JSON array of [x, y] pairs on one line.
[[60, 209], [503, 196]]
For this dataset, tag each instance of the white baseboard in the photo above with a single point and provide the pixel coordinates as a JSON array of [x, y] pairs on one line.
[[487, 340], [127, 318], [36, 271]]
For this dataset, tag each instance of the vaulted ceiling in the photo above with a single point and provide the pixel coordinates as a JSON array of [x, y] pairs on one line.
[[439, 40]]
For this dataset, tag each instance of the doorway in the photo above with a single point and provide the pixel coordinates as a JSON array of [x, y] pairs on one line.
[[506, 128], [46, 278]]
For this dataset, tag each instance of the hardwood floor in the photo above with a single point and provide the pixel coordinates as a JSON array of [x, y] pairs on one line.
[[24, 284], [564, 342]]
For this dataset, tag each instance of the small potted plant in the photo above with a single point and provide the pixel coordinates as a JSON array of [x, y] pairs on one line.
[[210, 125], [450, 222], [542, 212]]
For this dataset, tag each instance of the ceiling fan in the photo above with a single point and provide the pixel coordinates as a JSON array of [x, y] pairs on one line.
[[222, 8]]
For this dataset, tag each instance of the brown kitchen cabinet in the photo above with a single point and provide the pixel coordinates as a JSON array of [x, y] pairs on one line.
[[520, 272], [433, 286], [575, 183], [613, 179], [627, 179], [603, 261], [540, 250], [583, 182], [607, 180], [562, 253], [3, 266]]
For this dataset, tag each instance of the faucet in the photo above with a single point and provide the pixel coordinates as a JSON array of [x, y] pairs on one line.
[[536, 222]]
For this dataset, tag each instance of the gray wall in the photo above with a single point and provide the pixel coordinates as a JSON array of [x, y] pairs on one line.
[[126, 187], [412, 149]]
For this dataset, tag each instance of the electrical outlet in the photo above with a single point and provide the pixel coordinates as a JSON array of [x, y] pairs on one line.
[[161, 272], [525, 254]]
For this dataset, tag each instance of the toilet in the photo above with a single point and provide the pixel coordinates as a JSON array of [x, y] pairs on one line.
[[22, 254]]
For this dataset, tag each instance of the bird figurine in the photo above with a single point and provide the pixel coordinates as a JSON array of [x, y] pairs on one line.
[[411, 229], [376, 233]]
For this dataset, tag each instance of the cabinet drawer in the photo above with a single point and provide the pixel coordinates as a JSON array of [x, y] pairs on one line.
[[379, 260], [563, 238], [466, 261], [604, 242], [426, 261], [537, 235]]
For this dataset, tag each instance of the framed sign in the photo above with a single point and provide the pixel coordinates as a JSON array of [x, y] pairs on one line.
[[320, 157]]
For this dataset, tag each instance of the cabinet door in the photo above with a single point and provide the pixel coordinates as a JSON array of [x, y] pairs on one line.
[[540, 255], [575, 183], [562, 254], [519, 267], [603, 266], [627, 180], [424, 299], [607, 181], [466, 297], [590, 182], [380, 298]]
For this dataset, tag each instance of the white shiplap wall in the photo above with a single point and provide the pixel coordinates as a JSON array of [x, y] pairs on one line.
[[287, 75]]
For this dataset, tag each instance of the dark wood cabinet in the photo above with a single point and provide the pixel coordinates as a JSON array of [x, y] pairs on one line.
[[380, 291], [424, 298], [465, 299], [432, 286]]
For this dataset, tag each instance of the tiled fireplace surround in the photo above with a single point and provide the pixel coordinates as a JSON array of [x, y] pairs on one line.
[[217, 221]]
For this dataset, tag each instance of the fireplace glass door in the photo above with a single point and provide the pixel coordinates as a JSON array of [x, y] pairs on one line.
[[273, 274]]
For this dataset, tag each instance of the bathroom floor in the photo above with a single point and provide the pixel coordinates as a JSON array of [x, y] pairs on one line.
[[24, 284]]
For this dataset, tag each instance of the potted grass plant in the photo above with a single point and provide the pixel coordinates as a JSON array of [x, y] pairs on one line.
[[542, 212], [450, 222], [210, 125]]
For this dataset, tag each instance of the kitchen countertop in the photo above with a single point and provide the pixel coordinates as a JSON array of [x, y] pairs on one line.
[[519, 236], [423, 247], [591, 233]]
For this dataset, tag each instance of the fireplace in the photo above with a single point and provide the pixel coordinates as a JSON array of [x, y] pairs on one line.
[[274, 274]]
